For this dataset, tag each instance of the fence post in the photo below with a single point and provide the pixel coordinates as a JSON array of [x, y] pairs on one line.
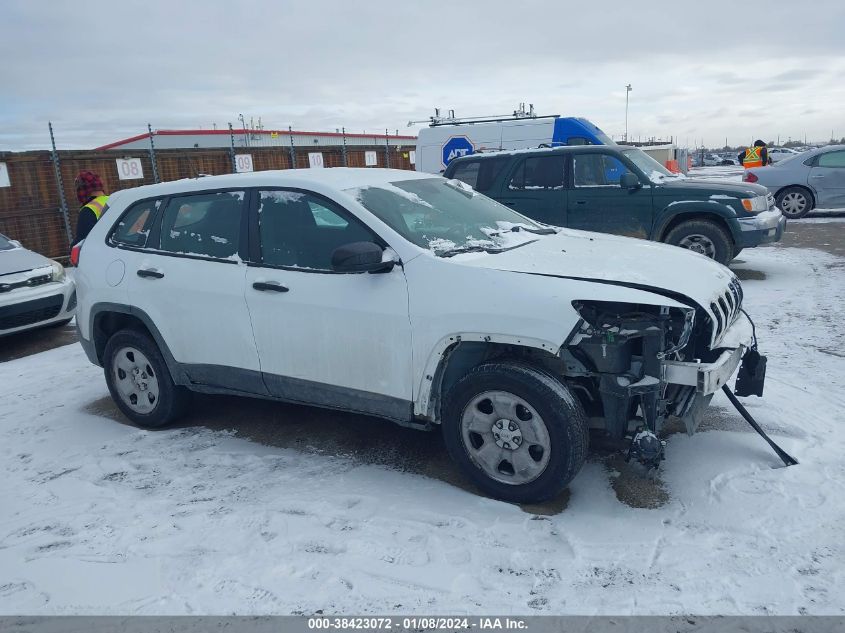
[[292, 150], [232, 149], [63, 203], [386, 150], [153, 154], [344, 146]]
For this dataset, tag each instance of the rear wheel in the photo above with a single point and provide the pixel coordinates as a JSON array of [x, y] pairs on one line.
[[515, 431], [704, 237], [795, 202], [139, 381]]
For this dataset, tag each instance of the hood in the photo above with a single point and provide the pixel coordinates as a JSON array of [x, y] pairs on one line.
[[665, 270], [19, 260], [703, 186]]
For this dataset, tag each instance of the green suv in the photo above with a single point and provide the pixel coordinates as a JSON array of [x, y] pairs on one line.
[[622, 190]]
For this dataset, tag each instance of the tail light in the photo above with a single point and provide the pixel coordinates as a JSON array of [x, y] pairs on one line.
[[749, 176], [74, 254]]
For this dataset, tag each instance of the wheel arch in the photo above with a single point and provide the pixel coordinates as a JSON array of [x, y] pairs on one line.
[[675, 220], [109, 318], [456, 354]]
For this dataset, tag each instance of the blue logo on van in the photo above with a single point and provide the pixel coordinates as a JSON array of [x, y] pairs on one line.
[[456, 147]]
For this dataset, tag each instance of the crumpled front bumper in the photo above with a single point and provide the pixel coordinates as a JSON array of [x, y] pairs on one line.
[[708, 378]]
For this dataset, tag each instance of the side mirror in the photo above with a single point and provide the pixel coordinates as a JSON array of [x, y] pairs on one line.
[[360, 257], [629, 181]]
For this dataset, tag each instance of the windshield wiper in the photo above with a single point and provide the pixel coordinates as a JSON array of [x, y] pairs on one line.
[[475, 248], [540, 230]]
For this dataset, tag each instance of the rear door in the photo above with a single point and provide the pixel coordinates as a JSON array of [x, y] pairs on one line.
[[535, 187], [827, 178], [189, 279], [596, 201]]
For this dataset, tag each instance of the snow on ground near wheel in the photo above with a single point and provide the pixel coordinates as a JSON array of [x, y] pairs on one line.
[[100, 517]]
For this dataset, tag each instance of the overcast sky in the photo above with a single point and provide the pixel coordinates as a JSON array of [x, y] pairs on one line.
[[719, 70]]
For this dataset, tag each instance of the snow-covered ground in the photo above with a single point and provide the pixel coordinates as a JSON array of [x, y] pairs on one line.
[[100, 517]]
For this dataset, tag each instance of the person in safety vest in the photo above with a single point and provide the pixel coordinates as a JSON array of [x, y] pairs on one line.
[[755, 156], [89, 192]]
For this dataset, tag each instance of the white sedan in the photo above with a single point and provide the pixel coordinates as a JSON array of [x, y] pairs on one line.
[[777, 154], [34, 290]]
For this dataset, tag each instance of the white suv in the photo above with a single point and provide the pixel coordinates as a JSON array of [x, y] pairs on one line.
[[410, 297]]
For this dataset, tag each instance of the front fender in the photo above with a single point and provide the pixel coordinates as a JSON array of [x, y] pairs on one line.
[[719, 211], [424, 404]]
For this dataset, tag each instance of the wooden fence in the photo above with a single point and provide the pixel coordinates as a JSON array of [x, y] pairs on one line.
[[31, 210]]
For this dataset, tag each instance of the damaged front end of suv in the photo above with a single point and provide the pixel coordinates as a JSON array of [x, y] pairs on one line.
[[635, 365]]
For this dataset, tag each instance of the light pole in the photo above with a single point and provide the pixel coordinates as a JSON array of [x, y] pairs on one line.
[[627, 90]]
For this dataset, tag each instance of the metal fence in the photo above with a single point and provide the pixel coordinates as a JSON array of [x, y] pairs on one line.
[[38, 204]]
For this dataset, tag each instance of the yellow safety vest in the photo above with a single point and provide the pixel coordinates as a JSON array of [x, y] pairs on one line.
[[752, 158], [97, 205]]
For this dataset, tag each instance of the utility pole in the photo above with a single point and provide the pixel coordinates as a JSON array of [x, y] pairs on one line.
[[627, 90]]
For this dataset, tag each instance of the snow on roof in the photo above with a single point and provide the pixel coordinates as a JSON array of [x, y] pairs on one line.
[[334, 177]]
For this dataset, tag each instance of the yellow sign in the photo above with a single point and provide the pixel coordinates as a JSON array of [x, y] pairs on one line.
[[274, 135]]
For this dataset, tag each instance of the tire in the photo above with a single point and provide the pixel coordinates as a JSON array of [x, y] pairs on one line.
[[795, 202], [157, 400], [704, 237], [535, 417]]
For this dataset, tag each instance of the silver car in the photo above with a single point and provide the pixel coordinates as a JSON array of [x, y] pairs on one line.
[[34, 291], [812, 179]]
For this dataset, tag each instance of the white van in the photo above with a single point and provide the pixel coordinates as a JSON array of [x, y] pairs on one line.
[[443, 141]]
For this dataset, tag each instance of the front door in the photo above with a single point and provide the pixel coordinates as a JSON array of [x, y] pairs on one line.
[[326, 338], [596, 201], [535, 187], [827, 178]]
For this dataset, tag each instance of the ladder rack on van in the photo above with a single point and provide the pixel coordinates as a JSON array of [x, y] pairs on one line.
[[451, 119]]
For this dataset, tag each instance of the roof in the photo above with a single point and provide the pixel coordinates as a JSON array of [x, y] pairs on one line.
[[237, 132], [561, 149], [334, 178]]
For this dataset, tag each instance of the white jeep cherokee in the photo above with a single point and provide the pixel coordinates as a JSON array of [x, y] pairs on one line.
[[410, 297]]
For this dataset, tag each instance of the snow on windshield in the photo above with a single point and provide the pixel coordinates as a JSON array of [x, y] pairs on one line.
[[447, 216]]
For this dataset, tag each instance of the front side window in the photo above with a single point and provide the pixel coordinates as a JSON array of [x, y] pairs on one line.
[[597, 170], [832, 159], [538, 172], [133, 228], [446, 216], [203, 224], [653, 170], [5, 243], [301, 230]]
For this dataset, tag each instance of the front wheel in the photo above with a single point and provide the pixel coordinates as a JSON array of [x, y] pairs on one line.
[[515, 431], [704, 237], [795, 202], [139, 381]]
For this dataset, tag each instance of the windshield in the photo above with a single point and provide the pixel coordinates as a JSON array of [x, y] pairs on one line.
[[656, 172], [447, 216], [5, 243]]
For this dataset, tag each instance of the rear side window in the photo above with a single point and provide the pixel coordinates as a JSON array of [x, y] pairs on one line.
[[538, 172], [133, 228], [203, 224], [832, 159]]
